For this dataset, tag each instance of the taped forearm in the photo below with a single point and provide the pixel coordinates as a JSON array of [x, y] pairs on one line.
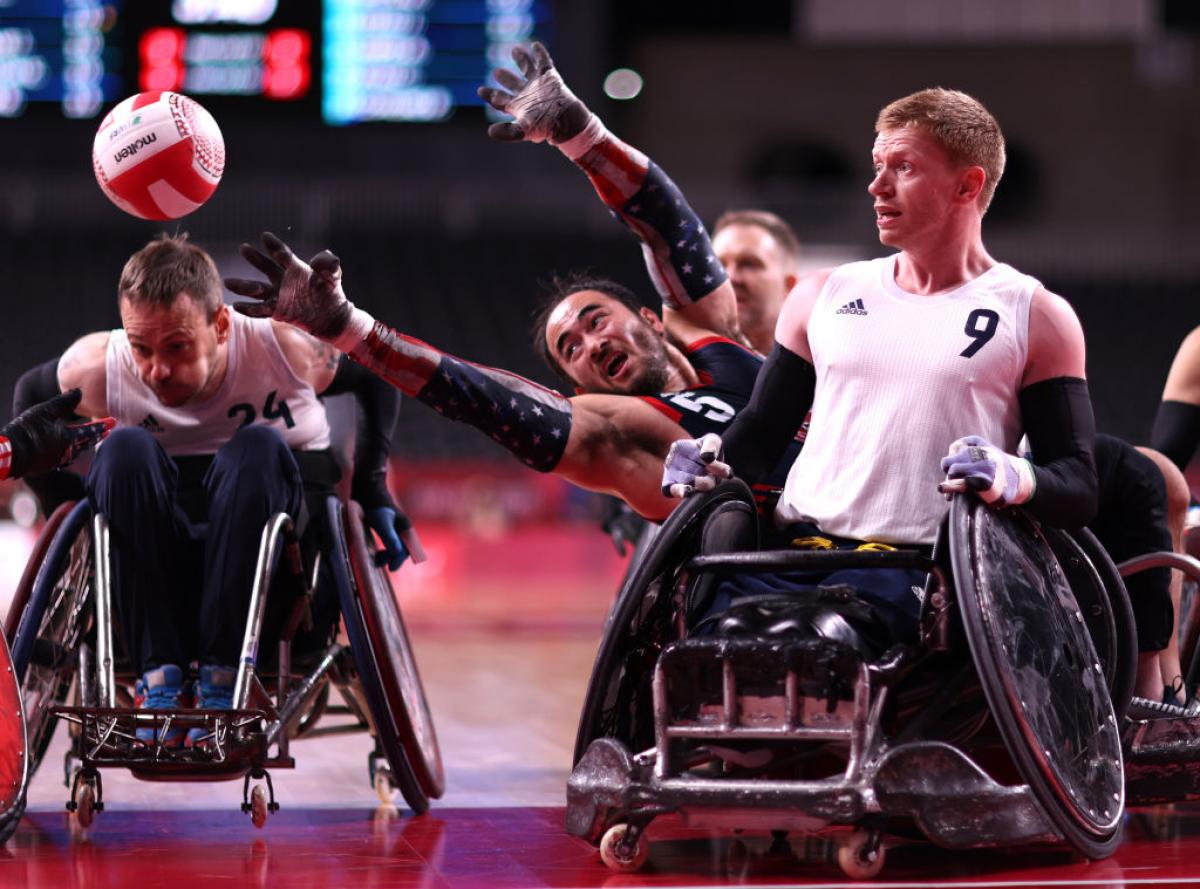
[[378, 410], [675, 244], [761, 432], [1057, 415], [529, 420], [1176, 431]]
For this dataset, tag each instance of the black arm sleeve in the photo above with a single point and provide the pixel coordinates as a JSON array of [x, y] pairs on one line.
[[379, 408], [757, 439], [1057, 415], [1176, 431], [52, 488]]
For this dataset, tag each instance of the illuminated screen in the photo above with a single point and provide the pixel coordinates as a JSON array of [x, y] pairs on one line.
[[341, 61], [418, 59], [59, 52]]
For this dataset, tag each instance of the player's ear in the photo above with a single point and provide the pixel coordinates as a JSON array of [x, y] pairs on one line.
[[221, 322], [651, 318], [971, 183]]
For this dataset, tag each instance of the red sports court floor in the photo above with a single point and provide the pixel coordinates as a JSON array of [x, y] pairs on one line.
[[505, 695]]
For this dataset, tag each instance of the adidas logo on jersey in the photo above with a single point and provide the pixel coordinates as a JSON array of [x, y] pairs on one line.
[[853, 308], [150, 424]]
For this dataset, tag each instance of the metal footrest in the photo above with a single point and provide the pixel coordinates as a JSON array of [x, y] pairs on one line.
[[233, 741]]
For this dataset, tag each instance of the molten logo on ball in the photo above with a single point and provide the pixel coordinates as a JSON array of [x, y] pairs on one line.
[[158, 155]]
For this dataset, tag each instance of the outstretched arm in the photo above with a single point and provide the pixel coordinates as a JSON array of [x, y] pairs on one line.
[[697, 297], [604, 443]]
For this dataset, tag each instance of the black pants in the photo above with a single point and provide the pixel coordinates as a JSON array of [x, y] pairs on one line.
[[184, 554], [1131, 520]]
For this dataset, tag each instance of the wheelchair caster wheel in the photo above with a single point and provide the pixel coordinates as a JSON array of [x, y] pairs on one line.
[[85, 806], [622, 849], [258, 805], [384, 788], [860, 855]]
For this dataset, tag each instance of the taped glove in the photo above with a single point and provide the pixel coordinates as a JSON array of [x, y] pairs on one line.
[[692, 465], [543, 107], [308, 295], [975, 464]]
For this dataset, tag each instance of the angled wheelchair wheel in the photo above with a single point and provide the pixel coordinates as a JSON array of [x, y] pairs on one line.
[[642, 619], [384, 660], [54, 620], [1040, 672], [14, 776], [1105, 605]]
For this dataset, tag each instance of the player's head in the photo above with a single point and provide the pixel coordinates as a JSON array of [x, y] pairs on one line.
[[597, 335], [170, 299], [935, 150], [761, 255]]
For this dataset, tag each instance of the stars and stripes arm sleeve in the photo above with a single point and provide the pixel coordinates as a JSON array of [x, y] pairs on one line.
[[5, 457], [530, 421], [676, 246]]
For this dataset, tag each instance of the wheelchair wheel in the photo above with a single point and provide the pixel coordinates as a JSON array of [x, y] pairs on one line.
[[25, 585], [386, 668], [1102, 598], [617, 702], [1040, 672], [54, 621], [14, 776]]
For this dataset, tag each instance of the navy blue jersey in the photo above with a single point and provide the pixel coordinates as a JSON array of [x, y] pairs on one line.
[[727, 373]]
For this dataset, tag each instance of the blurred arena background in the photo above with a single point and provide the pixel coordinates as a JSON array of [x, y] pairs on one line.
[[352, 125]]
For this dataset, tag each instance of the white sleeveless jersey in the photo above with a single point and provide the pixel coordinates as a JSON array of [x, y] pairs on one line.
[[259, 387], [899, 378]]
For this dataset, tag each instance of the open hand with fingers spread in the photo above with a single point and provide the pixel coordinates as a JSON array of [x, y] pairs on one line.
[[306, 294], [692, 465], [542, 106], [40, 439]]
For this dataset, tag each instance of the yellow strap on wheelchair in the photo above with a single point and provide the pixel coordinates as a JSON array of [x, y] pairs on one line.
[[813, 543], [872, 547]]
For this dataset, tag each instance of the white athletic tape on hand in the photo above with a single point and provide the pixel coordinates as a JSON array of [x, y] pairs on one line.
[[356, 331], [586, 139]]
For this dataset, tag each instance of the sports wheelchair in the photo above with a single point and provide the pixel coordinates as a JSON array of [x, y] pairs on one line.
[[70, 668], [1001, 724]]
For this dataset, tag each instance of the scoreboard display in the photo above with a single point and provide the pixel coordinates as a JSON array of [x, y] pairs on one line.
[[338, 61]]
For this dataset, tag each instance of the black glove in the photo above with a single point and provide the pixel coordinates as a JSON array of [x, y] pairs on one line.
[[542, 106], [41, 440]]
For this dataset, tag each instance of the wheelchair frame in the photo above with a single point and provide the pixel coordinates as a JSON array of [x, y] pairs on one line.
[[627, 771], [70, 588]]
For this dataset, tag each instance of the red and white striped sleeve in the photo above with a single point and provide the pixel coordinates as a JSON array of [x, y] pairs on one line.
[[5, 457]]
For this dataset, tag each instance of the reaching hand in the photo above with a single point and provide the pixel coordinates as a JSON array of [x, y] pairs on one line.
[[692, 465], [41, 440], [975, 464], [308, 295], [542, 106]]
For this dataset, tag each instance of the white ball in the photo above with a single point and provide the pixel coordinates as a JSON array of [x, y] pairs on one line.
[[158, 155]]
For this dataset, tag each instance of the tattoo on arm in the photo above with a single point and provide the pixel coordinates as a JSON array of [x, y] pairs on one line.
[[327, 355]]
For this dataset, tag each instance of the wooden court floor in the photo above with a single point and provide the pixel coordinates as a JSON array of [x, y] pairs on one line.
[[505, 701]]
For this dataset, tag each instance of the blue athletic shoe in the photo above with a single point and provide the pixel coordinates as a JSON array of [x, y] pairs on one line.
[[214, 691], [160, 689]]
